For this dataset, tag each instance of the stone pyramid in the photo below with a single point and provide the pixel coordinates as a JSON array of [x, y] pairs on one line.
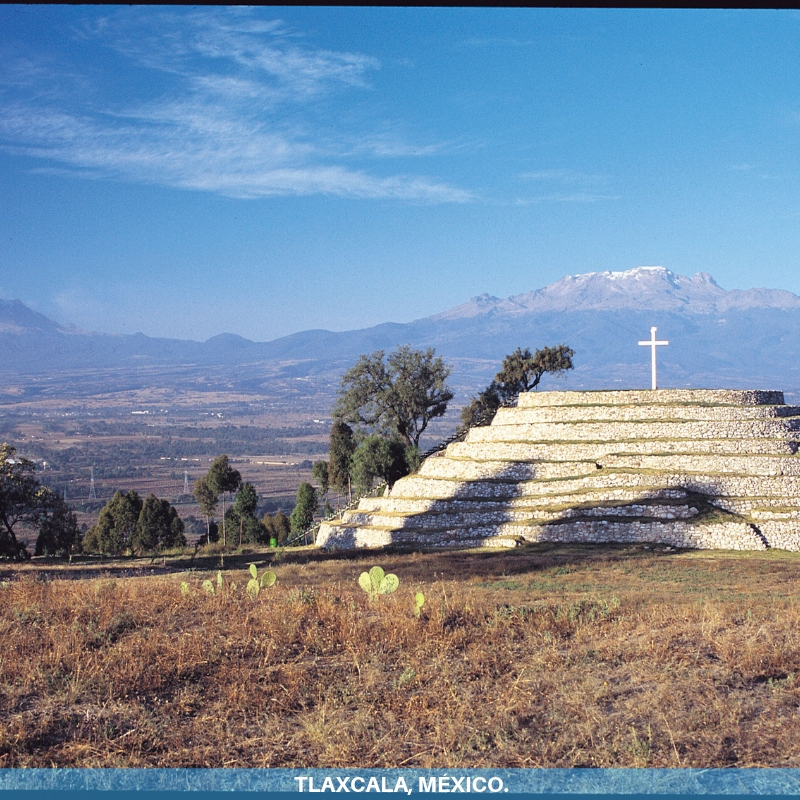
[[687, 468]]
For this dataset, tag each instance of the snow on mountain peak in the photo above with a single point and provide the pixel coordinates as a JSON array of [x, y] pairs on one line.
[[645, 288]]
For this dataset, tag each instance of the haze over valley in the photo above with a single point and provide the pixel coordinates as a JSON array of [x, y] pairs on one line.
[[144, 412], [211, 213]]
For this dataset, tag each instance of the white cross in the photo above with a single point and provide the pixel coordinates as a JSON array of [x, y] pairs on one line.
[[652, 343]]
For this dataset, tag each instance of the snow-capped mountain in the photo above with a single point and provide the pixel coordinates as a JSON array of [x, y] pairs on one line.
[[639, 289], [722, 338]]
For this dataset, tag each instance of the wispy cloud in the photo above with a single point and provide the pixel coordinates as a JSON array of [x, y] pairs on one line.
[[568, 197], [233, 104], [575, 186], [564, 176], [497, 41]]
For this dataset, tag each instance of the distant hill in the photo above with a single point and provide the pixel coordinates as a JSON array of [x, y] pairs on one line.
[[643, 288], [717, 338]]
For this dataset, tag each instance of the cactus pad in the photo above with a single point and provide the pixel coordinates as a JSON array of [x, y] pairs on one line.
[[364, 582], [268, 579], [376, 575], [376, 582]]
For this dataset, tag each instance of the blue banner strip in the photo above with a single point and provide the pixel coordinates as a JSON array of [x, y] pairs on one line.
[[674, 782]]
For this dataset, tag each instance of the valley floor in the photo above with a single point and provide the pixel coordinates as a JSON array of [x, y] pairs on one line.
[[544, 656]]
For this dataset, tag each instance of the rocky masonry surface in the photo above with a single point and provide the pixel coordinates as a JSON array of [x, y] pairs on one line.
[[700, 468]]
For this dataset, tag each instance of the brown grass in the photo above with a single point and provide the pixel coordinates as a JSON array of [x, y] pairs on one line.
[[541, 657]]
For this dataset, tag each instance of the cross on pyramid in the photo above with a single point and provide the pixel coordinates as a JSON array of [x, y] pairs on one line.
[[652, 343]]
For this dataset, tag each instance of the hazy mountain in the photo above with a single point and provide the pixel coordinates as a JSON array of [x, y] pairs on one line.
[[717, 338], [643, 288]]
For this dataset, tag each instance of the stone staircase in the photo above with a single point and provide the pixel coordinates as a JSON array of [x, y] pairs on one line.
[[687, 468]]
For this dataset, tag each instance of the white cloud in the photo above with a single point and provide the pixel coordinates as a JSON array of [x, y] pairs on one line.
[[75, 304], [579, 187], [563, 176], [233, 106]]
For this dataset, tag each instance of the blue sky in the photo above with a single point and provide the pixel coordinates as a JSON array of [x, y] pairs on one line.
[[189, 171]]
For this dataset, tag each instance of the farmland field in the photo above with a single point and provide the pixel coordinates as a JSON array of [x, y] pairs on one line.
[[542, 656], [161, 440]]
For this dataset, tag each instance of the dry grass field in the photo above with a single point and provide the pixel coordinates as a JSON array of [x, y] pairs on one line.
[[545, 656]]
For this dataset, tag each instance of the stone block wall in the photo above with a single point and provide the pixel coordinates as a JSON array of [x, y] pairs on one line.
[[688, 468]]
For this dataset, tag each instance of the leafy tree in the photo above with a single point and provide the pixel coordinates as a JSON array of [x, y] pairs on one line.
[[482, 408], [116, 525], [222, 478], [342, 447], [212, 534], [246, 500], [207, 500], [21, 499], [148, 526], [194, 527], [251, 530], [413, 459], [305, 507], [397, 396], [319, 472], [158, 527], [277, 527], [59, 534], [243, 514], [378, 457], [520, 372]]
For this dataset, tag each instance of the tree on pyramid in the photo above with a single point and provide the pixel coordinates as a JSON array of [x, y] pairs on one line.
[[520, 372]]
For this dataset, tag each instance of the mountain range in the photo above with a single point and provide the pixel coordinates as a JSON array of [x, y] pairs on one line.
[[735, 338]]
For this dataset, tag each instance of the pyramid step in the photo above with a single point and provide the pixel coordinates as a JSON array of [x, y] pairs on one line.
[[780, 534], [747, 465], [677, 533], [580, 499], [480, 517], [603, 467], [585, 451], [635, 431], [753, 506], [472, 470], [759, 514], [717, 485], [736, 397], [641, 413]]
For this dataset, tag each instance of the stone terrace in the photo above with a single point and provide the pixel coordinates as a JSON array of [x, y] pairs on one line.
[[699, 468]]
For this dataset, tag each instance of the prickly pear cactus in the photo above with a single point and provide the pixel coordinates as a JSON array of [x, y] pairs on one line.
[[376, 576], [389, 584], [255, 585], [185, 590], [208, 586], [376, 582], [419, 601], [268, 579], [365, 583]]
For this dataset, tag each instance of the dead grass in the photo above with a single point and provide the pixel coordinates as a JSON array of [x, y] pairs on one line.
[[542, 657]]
